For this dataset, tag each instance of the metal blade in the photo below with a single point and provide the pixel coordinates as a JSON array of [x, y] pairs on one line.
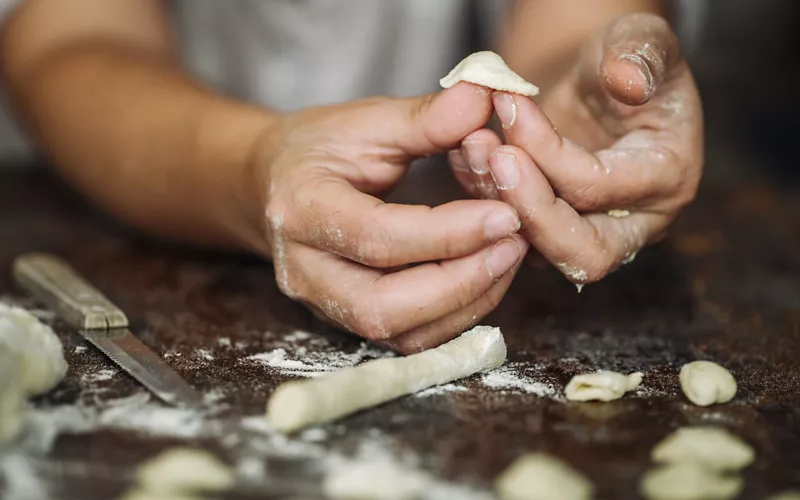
[[126, 350]]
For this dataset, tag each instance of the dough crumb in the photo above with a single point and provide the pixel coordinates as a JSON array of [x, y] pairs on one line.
[[184, 471], [489, 70], [687, 481], [619, 213], [711, 447], [706, 383], [601, 386], [538, 476]]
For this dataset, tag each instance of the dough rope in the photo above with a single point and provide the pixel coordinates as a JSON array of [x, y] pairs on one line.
[[298, 404]]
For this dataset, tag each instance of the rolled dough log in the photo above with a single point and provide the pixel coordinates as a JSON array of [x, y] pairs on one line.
[[537, 476], [31, 363], [298, 404], [706, 383], [601, 386], [489, 70], [710, 447]]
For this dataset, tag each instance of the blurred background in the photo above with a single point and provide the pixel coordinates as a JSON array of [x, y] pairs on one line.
[[746, 64], [745, 58]]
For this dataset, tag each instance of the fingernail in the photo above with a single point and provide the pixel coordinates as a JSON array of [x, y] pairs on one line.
[[476, 153], [505, 170], [641, 65], [502, 258], [506, 108], [500, 224]]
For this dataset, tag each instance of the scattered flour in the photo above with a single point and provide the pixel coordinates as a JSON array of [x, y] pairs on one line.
[[224, 341], [379, 470], [80, 349], [508, 378], [205, 354], [441, 389], [98, 376], [304, 363]]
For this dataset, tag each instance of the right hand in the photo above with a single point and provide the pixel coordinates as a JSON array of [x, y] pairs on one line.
[[409, 277]]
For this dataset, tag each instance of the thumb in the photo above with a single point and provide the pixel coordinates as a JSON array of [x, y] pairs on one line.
[[639, 53], [438, 122]]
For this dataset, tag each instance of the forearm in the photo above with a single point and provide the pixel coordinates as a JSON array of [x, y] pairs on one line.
[[146, 143], [543, 37]]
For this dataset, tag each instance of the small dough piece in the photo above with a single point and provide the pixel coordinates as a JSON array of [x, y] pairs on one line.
[[184, 471], [154, 495], [711, 447], [298, 404], [31, 363], [786, 495], [619, 213], [601, 386], [688, 481], [706, 383], [538, 476], [489, 70], [42, 365]]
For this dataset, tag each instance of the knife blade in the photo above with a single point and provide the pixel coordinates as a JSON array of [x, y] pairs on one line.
[[104, 325]]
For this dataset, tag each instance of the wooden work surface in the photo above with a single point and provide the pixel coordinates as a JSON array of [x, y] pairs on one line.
[[725, 287]]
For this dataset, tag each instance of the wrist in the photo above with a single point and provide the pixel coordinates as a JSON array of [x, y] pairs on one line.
[[233, 142]]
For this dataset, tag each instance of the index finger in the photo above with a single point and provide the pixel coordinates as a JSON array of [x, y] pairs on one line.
[[336, 217]]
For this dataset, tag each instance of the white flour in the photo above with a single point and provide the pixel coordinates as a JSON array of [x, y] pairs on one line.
[[301, 362], [98, 376], [507, 378], [441, 389]]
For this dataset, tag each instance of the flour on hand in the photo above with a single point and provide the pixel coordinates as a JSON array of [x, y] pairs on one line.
[[489, 70]]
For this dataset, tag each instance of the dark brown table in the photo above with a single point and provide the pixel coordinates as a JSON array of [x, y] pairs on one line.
[[725, 286]]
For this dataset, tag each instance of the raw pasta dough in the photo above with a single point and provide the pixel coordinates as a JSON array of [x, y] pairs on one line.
[[298, 404], [541, 477], [489, 70], [706, 383], [181, 474], [601, 386], [31, 363], [689, 482], [710, 447]]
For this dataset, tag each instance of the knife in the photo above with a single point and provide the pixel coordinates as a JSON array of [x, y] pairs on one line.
[[98, 320]]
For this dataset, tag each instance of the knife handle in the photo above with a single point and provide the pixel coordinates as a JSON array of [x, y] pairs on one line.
[[53, 281]]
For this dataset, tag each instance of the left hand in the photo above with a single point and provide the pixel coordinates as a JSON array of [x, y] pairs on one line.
[[632, 113]]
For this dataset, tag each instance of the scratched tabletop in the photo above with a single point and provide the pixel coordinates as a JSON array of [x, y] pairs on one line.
[[724, 286]]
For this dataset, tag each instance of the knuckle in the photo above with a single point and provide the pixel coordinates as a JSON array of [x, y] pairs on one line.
[[584, 197], [464, 292]]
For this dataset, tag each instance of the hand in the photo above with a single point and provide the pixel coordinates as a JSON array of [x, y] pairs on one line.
[[410, 277], [633, 117]]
